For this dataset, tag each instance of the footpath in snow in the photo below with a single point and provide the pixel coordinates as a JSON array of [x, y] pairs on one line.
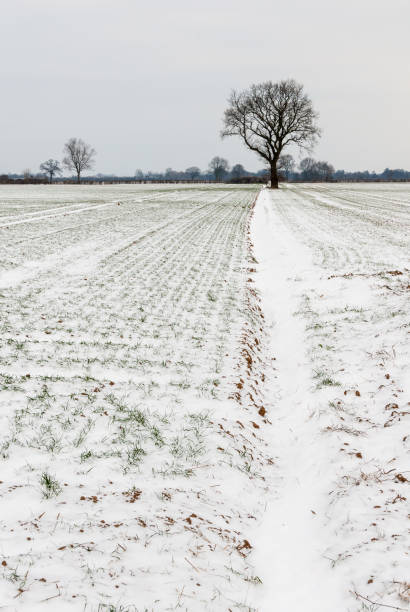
[[328, 542], [296, 576]]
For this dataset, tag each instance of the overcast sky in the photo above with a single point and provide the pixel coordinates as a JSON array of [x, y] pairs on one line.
[[146, 82]]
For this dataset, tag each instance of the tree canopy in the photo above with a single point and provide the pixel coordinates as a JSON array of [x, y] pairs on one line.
[[79, 156], [270, 116]]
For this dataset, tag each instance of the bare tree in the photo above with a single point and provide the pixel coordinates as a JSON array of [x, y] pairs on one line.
[[171, 175], [307, 167], [238, 171], [79, 156], [286, 163], [325, 170], [312, 170], [268, 117], [193, 172], [139, 175], [50, 167], [219, 166]]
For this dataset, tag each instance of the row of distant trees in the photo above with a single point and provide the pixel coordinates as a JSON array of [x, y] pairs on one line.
[[311, 170], [80, 156], [308, 170], [218, 170]]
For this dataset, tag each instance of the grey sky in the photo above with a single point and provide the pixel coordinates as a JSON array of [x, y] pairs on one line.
[[146, 83]]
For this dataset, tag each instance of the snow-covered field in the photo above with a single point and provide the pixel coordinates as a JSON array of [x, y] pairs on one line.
[[335, 283], [128, 476], [204, 403]]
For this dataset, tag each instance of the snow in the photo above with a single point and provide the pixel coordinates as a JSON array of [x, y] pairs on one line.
[[204, 402], [331, 284], [123, 455], [295, 574]]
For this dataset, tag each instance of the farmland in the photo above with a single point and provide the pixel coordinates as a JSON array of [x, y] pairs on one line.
[[204, 402], [334, 277], [125, 465]]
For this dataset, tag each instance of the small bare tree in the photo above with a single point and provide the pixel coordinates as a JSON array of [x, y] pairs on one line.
[[79, 156], [268, 117], [312, 170], [50, 167], [286, 163], [193, 172], [326, 171], [219, 166], [238, 171]]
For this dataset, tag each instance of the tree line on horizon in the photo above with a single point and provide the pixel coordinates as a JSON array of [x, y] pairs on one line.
[[219, 170]]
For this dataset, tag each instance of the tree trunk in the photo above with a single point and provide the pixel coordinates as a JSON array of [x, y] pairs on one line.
[[274, 183], [78, 177]]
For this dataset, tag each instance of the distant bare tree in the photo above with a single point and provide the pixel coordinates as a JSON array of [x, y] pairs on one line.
[[325, 170], [219, 166], [79, 156], [237, 171], [193, 172], [139, 175], [171, 175], [312, 170], [307, 166], [286, 163], [50, 167], [268, 117], [27, 174]]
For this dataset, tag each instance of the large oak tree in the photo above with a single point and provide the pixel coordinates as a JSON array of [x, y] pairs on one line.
[[269, 117]]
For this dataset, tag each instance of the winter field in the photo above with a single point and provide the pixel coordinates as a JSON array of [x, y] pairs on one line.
[[205, 398]]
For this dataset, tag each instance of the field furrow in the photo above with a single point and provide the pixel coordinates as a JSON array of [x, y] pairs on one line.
[[337, 298]]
